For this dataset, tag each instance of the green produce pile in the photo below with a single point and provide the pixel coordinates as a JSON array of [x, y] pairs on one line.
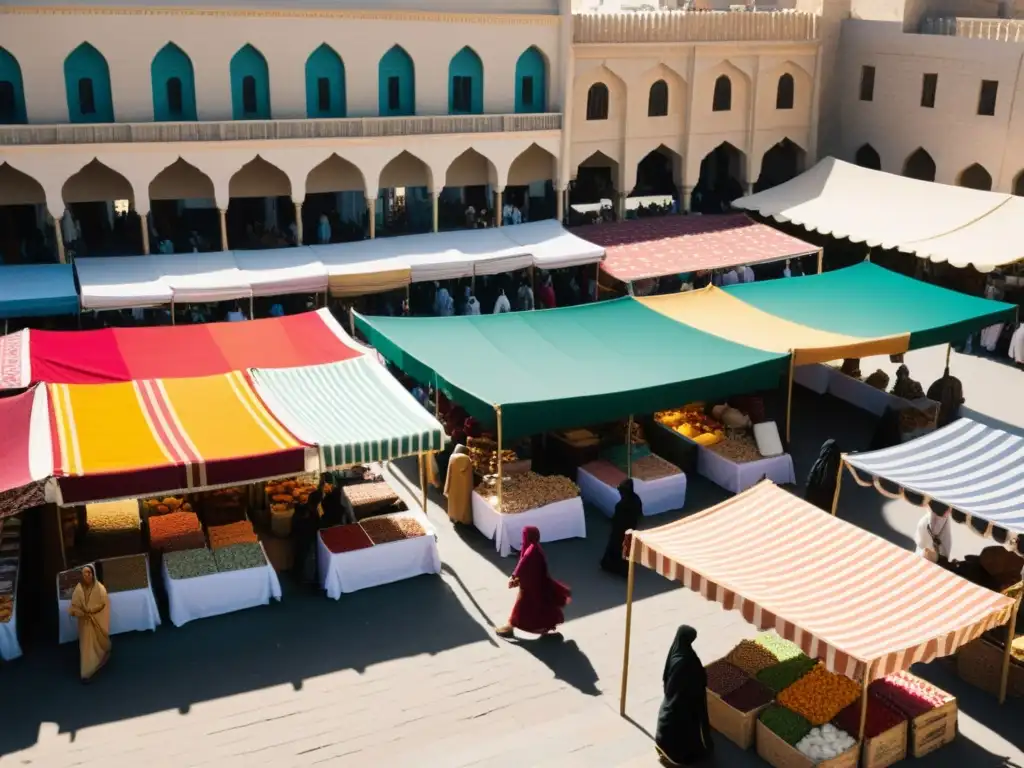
[[784, 674], [190, 563], [779, 647], [239, 557], [787, 725]]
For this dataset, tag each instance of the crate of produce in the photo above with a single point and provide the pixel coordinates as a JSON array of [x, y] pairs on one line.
[[980, 663], [734, 715], [369, 499], [175, 532], [885, 731], [124, 574], [820, 695], [233, 533], [384, 530], [778, 752], [932, 711]]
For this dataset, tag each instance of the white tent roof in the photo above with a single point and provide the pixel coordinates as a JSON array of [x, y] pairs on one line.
[[121, 282], [282, 271], [934, 221], [201, 277], [553, 246]]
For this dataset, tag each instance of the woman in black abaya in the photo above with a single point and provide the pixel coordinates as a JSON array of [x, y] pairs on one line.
[[684, 731], [628, 512], [821, 480]]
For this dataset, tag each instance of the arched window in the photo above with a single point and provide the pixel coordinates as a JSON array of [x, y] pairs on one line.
[[175, 102], [657, 100], [249, 105], [721, 101], [8, 102], [597, 102], [86, 96], [784, 92]]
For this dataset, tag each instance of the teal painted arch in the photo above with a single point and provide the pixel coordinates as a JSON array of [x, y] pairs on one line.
[[250, 85], [174, 85], [12, 91], [87, 83], [325, 83], [531, 82], [466, 83], [396, 77]]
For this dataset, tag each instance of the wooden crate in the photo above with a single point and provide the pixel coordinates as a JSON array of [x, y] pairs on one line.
[[980, 663], [776, 752], [886, 748], [736, 726], [933, 729]]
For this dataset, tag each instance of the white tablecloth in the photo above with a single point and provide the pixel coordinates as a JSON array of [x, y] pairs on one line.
[[736, 477], [814, 377], [658, 496], [131, 611], [561, 520], [10, 648], [381, 564], [218, 593]]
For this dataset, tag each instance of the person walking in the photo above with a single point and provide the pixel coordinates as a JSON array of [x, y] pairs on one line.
[[91, 606], [628, 512], [458, 486], [539, 604], [683, 736]]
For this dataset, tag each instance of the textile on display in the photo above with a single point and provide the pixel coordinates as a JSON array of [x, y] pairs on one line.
[[658, 496], [26, 455], [37, 290], [561, 520]]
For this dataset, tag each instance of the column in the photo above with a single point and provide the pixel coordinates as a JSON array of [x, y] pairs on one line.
[[223, 228], [497, 208], [684, 203], [144, 225], [749, 188], [433, 209], [371, 208], [298, 224], [61, 257], [620, 206], [559, 204]]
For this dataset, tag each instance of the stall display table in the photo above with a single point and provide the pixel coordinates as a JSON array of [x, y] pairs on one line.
[[133, 610], [218, 593], [737, 477], [658, 496], [814, 377], [10, 648], [344, 572], [561, 520]]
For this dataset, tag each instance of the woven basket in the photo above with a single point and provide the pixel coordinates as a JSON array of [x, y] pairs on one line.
[[980, 663]]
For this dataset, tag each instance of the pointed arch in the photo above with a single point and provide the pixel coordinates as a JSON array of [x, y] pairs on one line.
[[259, 178], [868, 157], [96, 182], [1018, 184], [975, 176], [532, 165], [12, 91], [657, 99], [531, 82], [87, 84], [782, 161], [325, 83], [396, 75], [470, 169], [785, 91], [250, 85], [174, 85], [466, 83], [18, 188], [919, 165], [721, 99], [597, 102], [657, 171], [722, 173], [335, 174], [405, 170], [181, 181]]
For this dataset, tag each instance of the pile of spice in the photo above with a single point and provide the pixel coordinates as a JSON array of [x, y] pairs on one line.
[[175, 532], [749, 696], [751, 657], [724, 678], [909, 694], [820, 695], [232, 533], [779, 647], [123, 574], [787, 725], [67, 581], [190, 563], [112, 529], [520, 493], [345, 538], [880, 718], [784, 674], [383, 530], [239, 557], [653, 467]]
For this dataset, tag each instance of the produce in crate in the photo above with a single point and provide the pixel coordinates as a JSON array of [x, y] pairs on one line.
[[691, 422], [383, 530], [724, 678], [483, 452], [909, 694], [779, 647], [653, 467], [751, 657], [345, 538], [6, 608], [749, 696], [825, 742], [239, 557], [176, 531], [124, 574], [165, 505], [190, 563], [785, 673], [820, 695], [233, 533], [880, 718], [737, 447], [787, 725], [527, 491], [112, 529]]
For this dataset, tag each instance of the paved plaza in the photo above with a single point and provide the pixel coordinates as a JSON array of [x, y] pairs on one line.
[[411, 674]]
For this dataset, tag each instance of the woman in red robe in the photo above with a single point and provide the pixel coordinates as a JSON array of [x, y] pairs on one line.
[[540, 601]]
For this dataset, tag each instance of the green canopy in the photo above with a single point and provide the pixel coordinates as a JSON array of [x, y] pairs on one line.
[[867, 300], [558, 368]]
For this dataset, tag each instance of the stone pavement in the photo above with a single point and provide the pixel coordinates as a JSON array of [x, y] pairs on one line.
[[411, 674]]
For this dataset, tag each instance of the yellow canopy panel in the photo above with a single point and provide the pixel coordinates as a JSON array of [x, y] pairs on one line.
[[716, 312], [364, 283]]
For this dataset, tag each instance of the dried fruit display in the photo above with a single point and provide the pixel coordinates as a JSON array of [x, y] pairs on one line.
[[239, 557], [112, 529], [825, 742], [67, 581], [724, 678], [779, 647], [751, 657], [785, 673], [233, 533], [880, 718], [291, 492], [483, 452], [165, 505], [345, 538], [654, 467], [738, 448], [368, 499], [122, 574], [382, 530], [820, 695], [6, 608], [749, 696], [909, 694], [785, 724], [691, 422], [190, 563], [176, 531], [529, 490]]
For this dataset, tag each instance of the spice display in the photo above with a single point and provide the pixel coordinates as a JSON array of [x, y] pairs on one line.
[[6, 608], [691, 422], [909, 694], [373, 498], [190, 563], [291, 492], [232, 533], [529, 490], [483, 452], [779, 647], [345, 538], [785, 673], [67, 581], [737, 447], [382, 530], [787, 725], [175, 531], [751, 657], [724, 678], [880, 718], [653, 467], [749, 696], [825, 742], [820, 695], [122, 574], [112, 529], [239, 557]]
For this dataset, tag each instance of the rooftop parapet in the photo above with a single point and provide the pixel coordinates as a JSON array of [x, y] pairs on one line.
[[695, 27]]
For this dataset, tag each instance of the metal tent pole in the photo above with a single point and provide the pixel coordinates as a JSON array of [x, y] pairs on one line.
[[501, 464], [839, 484], [629, 447], [789, 397], [629, 623], [1011, 627]]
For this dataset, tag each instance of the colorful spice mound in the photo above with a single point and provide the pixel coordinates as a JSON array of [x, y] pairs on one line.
[[751, 657], [820, 695], [122, 574], [527, 491], [383, 530], [239, 557], [749, 696], [880, 718], [788, 726], [779, 647], [784, 674], [190, 563], [909, 694], [113, 529], [724, 678], [67, 581], [176, 531], [825, 742], [345, 538], [233, 533]]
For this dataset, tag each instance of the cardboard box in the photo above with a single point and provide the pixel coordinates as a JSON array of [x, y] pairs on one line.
[[776, 752], [736, 726]]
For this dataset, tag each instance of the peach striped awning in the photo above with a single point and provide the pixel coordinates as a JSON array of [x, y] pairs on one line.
[[161, 435], [846, 596]]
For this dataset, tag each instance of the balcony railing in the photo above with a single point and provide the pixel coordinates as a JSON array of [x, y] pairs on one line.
[[1005, 30], [269, 130], [695, 27]]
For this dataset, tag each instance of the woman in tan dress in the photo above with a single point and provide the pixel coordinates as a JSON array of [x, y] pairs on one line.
[[458, 486], [91, 606]]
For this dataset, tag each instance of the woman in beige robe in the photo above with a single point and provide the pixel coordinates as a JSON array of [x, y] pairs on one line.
[[458, 486], [91, 606]]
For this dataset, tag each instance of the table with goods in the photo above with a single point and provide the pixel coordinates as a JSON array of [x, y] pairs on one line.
[[10, 566], [766, 693], [133, 606], [735, 450], [376, 550], [369, 497]]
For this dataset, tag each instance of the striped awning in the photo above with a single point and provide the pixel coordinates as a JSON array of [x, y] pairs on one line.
[[353, 411], [846, 596], [967, 469]]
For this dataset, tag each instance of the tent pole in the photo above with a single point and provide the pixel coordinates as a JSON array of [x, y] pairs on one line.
[[172, 313], [821, 259], [597, 281], [63, 551], [252, 309], [839, 485], [423, 480], [949, 353], [863, 707], [789, 397], [501, 467], [1011, 627], [629, 446], [352, 321], [629, 623]]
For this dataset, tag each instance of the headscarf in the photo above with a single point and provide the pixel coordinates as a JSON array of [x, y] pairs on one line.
[[460, 450], [530, 548], [681, 651]]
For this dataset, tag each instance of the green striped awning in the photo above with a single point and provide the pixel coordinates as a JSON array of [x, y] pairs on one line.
[[354, 411]]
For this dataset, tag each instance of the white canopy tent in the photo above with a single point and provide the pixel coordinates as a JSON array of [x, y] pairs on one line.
[[938, 222], [121, 282], [281, 271], [202, 277], [553, 246]]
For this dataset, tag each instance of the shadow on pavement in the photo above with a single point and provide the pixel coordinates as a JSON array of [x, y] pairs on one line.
[[565, 659]]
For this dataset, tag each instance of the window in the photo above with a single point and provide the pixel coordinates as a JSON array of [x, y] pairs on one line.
[[597, 102], [323, 94], [174, 98], [929, 85], [721, 101], [462, 93], [86, 97], [867, 83], [527, 91], [394, 93], [7, 106], [249, 105], [784, 92], [657, 100], [987, 97]]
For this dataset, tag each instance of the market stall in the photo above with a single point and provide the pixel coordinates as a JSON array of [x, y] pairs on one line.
[[10, 569], [26, 453], [132, 604], [282, 271], [121, 282], [551, 504], [37, 290], [660, 485]]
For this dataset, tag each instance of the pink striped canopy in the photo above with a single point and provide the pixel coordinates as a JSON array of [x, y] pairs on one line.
[[846, 596]]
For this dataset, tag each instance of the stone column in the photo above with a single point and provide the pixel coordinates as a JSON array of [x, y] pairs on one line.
[[371, 209], [684, 203], [559, 204], [298, 224], [144, 224], [620, 206], [433, 209], [223, 228], [497, 208], [61, 256]]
